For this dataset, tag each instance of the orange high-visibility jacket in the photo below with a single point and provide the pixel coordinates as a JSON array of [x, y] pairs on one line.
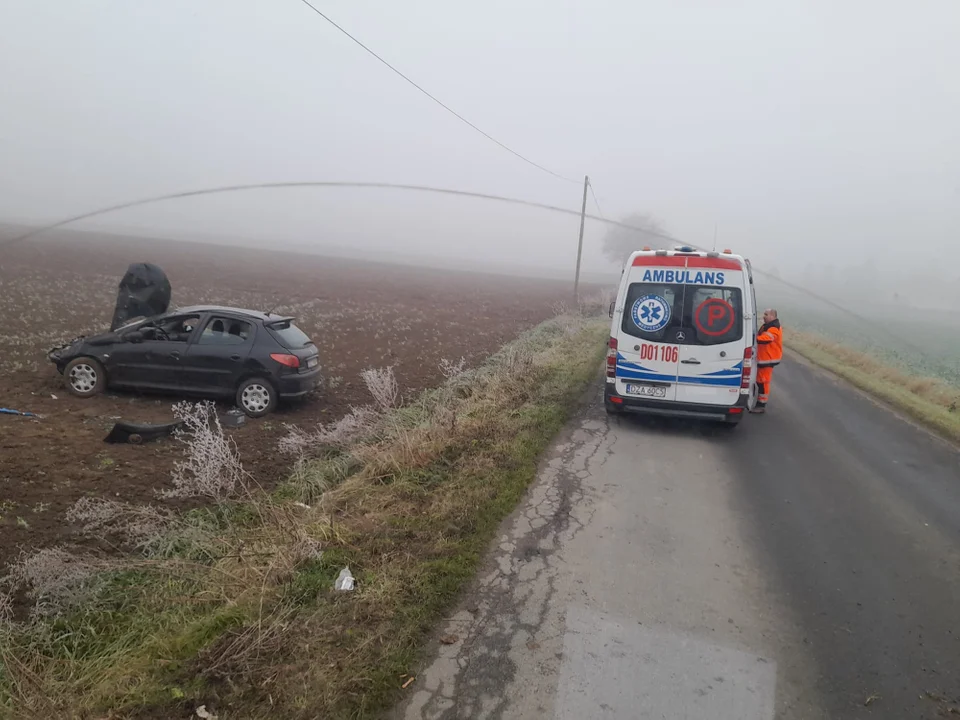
[[770, 344]]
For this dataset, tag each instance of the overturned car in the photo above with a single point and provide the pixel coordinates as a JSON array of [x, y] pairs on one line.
[[208, 351]]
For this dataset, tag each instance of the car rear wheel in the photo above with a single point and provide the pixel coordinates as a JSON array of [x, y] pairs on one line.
[[85, 377], [256, 397]]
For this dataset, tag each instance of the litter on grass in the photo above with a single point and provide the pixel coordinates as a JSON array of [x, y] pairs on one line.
[[344, 580]]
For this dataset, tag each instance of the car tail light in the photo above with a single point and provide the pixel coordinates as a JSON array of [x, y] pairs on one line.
[[747, 365], [616, 400], [734, 411], [291, 361], [612, 358]]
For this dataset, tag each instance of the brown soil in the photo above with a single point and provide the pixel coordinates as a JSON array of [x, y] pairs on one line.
[[361, 315]]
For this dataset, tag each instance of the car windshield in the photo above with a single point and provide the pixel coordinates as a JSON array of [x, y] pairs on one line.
[[290, 336], [683, 314]]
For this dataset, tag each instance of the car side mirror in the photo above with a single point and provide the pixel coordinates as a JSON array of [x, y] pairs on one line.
[[612, 305], [134, 336]]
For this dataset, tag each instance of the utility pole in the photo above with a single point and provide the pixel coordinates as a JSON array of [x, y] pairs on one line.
[[583, 217]]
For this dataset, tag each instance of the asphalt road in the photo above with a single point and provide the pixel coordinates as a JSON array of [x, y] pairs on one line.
[[806, 565]]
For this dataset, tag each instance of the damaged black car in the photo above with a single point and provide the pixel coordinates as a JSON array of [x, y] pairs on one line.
[[252, 357]]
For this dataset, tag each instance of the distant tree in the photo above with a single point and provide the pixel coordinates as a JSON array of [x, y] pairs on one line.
[[619, 242]]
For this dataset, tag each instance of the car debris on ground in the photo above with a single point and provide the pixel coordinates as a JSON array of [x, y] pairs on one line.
[[137, 433]]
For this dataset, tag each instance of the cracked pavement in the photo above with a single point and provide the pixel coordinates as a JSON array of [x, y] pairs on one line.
[[663, 569]]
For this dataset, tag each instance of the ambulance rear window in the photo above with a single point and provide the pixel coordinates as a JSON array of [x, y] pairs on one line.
[[683, 314]]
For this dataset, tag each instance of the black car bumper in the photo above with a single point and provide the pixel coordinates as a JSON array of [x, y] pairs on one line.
[[299, 384], [648, 406], [60, 356]]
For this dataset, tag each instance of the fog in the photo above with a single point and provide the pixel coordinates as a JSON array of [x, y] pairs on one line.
[[810, 134]]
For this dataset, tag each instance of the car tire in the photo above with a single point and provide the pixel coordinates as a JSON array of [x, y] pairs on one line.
[[256, 397], [85, 377]]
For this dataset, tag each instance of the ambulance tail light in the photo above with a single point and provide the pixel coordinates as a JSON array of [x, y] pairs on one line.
[[612, 358], [747, 366]]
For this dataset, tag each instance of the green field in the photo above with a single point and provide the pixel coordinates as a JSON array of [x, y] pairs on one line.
[[917, 341]]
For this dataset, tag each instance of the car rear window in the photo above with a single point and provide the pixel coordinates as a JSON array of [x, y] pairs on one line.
[[683, 314], [290, 336]]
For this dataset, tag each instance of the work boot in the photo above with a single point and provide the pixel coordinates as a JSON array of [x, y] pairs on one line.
[[759, 409]]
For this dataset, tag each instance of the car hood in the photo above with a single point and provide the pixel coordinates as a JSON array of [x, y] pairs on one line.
[[144, 292]]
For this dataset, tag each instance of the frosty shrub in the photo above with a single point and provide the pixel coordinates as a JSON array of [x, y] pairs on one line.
[[382, 384], [450, 369], [54, 578], [338, 434], [596, 305], [212, 466], [306, 549], [142, 526], [6, 608]]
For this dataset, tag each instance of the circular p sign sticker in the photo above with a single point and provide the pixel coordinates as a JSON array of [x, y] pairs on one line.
[[651, 313], [714, 317]]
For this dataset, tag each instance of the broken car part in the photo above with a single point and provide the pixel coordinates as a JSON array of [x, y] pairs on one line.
[[136, 433]]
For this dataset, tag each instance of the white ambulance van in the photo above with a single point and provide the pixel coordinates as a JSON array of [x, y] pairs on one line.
[[683, 336]]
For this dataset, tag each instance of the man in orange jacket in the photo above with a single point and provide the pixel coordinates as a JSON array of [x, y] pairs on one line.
[[769, 354]]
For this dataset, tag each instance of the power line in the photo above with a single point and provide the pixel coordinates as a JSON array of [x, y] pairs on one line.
[[443, 191], [319, 183], [595, 201], [433, 97]]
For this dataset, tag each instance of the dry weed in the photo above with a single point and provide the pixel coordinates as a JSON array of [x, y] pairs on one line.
[[382, 384], [141, 526], [6, 608], [450, 369], [212, 468], [339, 434], [54, 578]]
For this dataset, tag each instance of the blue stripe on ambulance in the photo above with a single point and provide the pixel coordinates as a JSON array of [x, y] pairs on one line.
[[729, 377]]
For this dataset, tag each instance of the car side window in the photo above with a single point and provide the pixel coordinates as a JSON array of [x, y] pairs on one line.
[[225, 331], [174, 329], [180, 329]]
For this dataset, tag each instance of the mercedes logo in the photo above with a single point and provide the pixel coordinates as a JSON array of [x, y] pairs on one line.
[[681, 337]]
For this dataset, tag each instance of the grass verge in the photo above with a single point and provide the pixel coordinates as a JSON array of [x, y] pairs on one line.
[[931, 402], [235, 609]]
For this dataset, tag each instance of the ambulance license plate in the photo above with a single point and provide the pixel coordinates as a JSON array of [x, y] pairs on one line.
[[656, 391]]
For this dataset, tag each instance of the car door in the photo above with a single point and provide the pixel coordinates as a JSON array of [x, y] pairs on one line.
[[215, 358], [156, 360]]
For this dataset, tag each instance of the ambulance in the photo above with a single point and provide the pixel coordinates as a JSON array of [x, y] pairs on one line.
[[683, 336]]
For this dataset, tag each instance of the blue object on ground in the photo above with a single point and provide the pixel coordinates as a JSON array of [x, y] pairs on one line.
[[10, 411]]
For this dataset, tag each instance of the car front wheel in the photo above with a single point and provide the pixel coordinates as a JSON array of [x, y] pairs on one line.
[[85, 377], [256, 397]]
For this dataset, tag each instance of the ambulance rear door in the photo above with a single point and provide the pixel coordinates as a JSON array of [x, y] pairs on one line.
[[714, 331], [647, 360]]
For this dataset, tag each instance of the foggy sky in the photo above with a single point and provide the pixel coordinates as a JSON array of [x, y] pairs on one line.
[[811, 128]]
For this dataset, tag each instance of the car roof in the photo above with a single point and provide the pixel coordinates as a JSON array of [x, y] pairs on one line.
[[224, 310]]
